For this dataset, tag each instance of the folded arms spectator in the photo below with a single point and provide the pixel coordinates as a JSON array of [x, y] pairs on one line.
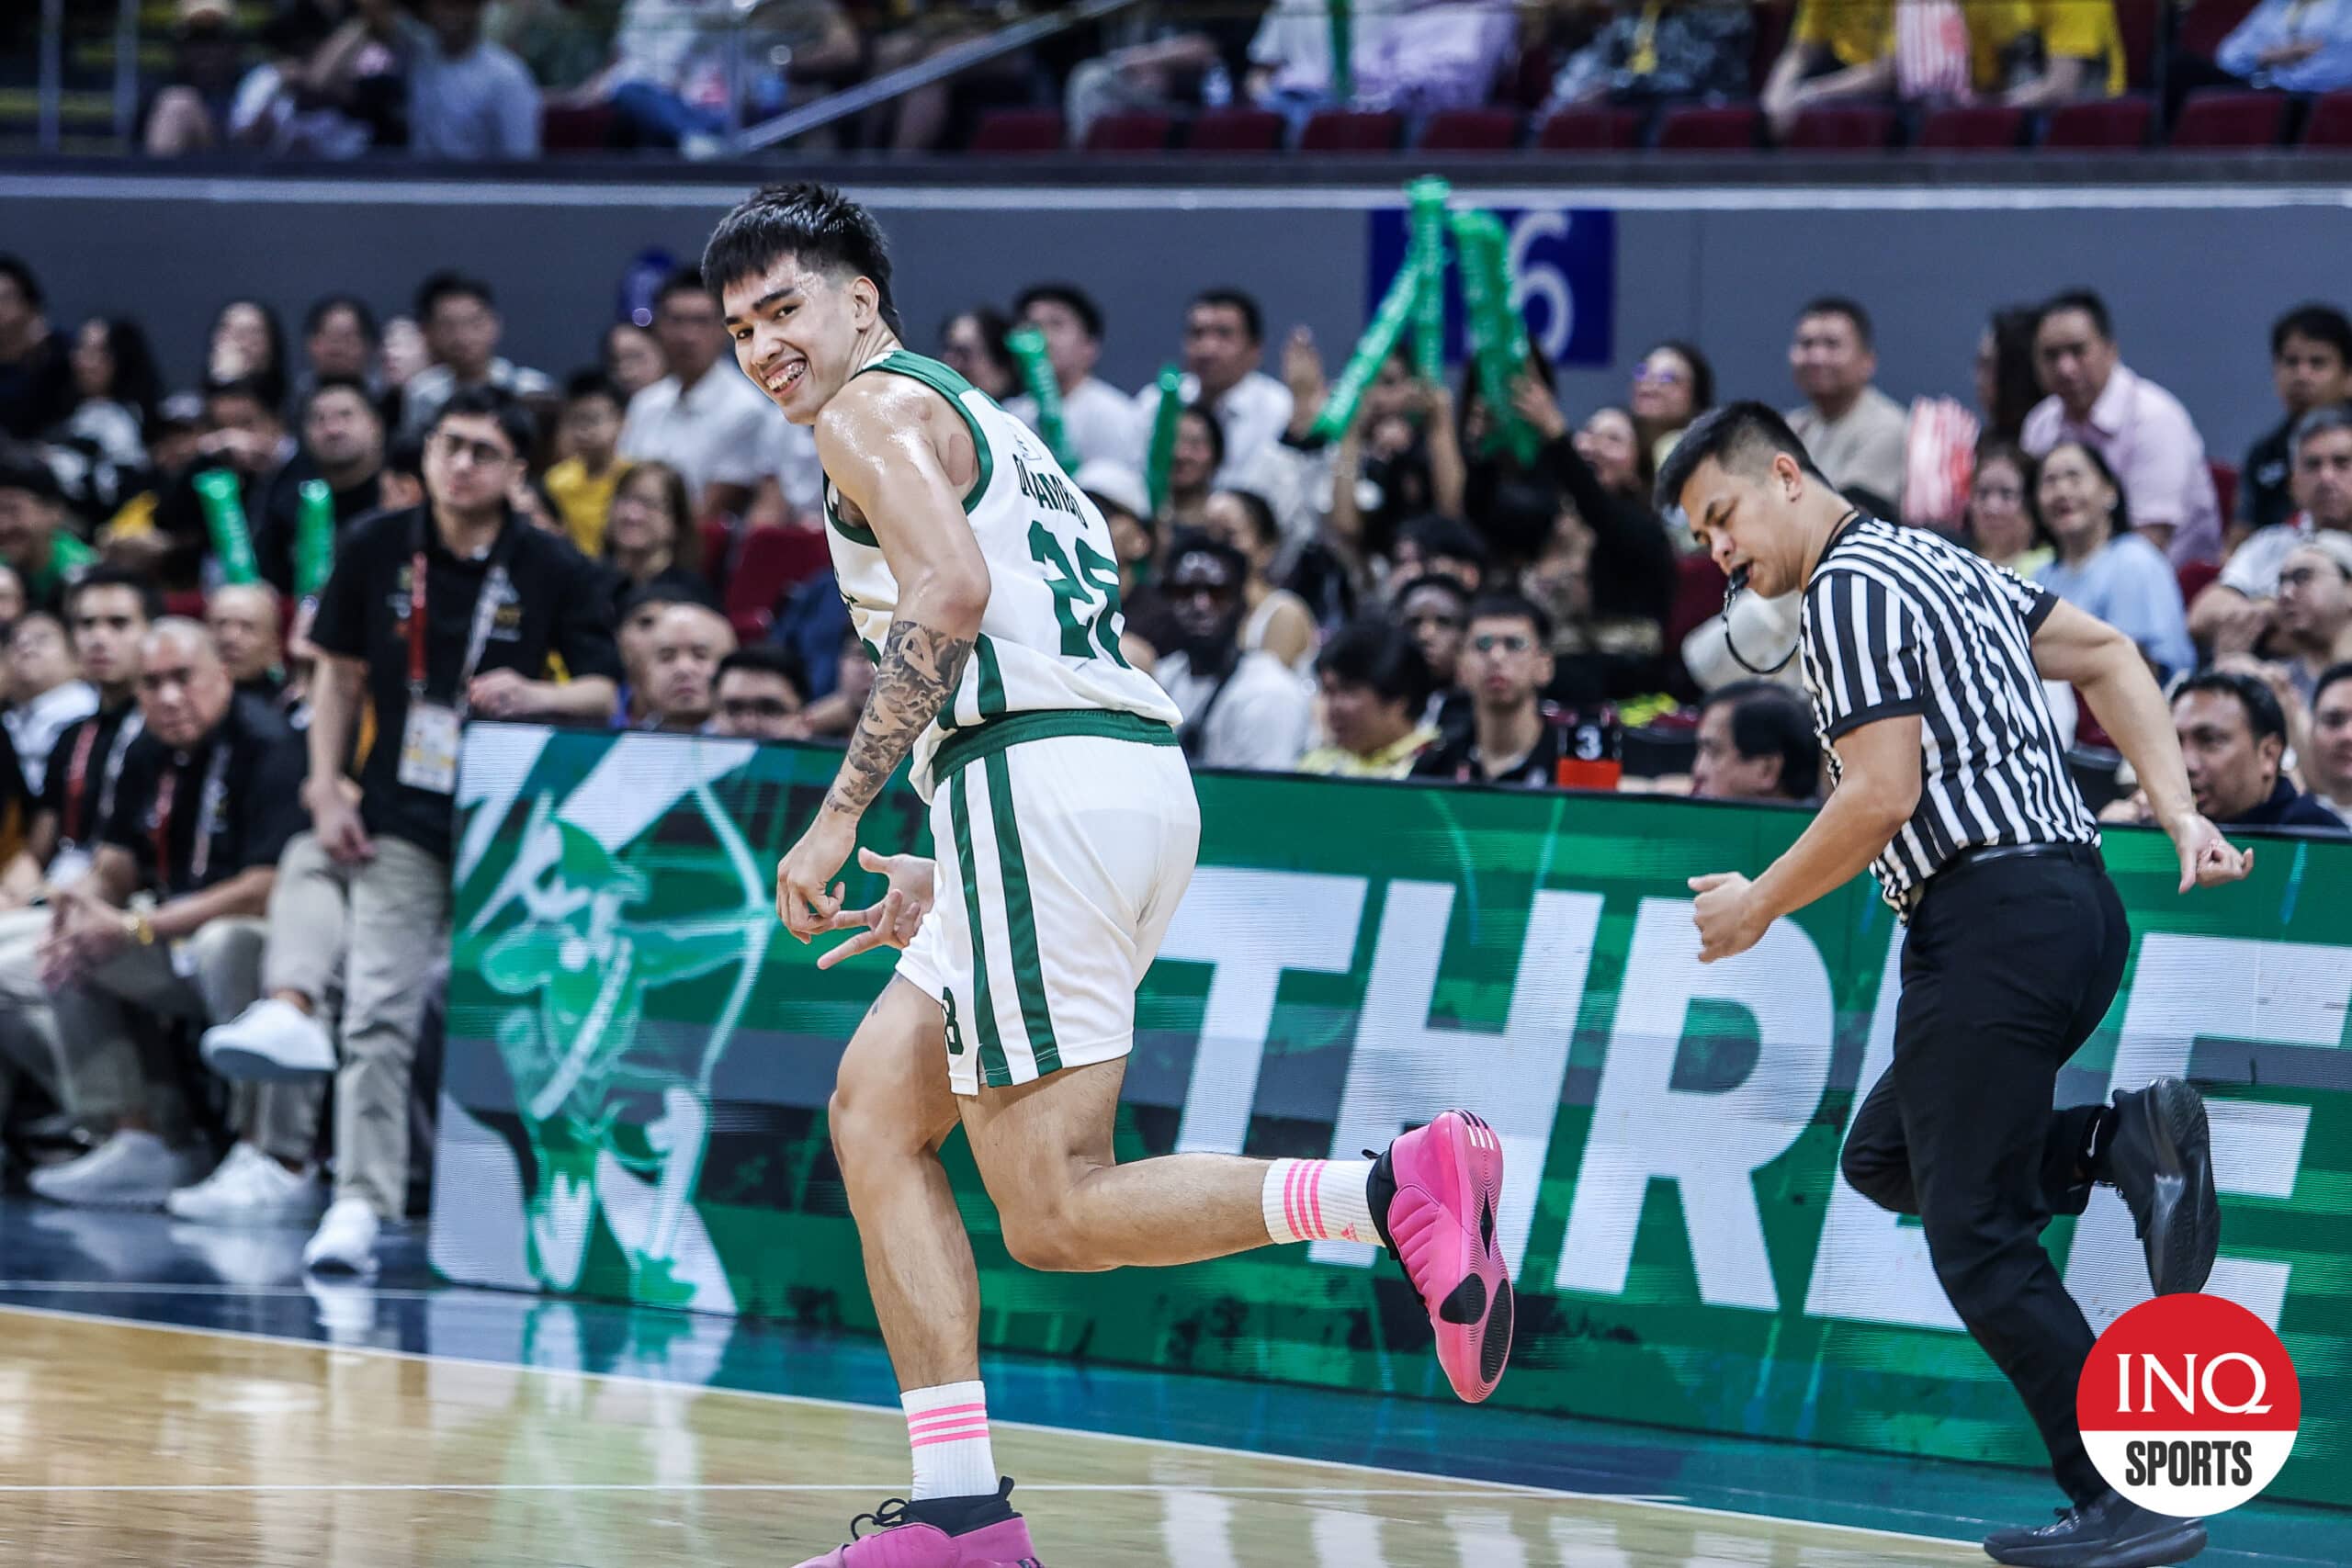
[[2295, 46], [1645, 51], [2234, 612], [1838, 49], [2031, 53]]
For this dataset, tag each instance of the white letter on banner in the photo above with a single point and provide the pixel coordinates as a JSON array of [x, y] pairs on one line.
[[1873, 1266], [1709, 1143], [1250, 926], [1403, 1071], [2183, 988]]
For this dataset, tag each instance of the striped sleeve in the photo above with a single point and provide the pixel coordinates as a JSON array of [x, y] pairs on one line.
[[2031, 601], [1867, 648]]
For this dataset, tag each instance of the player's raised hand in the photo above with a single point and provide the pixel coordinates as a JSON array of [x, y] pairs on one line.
[[803, 899], [892, 922]]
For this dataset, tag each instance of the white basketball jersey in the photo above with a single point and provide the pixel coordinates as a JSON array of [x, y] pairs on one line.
[[1049, 638]]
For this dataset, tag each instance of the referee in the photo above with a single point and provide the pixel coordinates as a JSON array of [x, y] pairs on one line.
[[1925, 666]]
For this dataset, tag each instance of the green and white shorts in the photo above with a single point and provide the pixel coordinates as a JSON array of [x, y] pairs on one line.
[[1061, 861]]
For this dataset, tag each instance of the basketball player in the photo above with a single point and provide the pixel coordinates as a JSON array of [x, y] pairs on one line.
[[985, 587]]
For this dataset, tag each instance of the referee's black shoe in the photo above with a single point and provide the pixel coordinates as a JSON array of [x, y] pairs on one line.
[[2159, 1155], [2109, 1531]]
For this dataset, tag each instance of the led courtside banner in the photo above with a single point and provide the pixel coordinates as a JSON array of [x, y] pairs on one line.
[[639, 1058]]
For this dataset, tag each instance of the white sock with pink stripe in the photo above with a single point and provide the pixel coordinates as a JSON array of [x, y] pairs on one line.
[[1318, 1200], [948, 1427]]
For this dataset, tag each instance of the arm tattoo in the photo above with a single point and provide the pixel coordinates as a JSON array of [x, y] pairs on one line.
[[917, 677]]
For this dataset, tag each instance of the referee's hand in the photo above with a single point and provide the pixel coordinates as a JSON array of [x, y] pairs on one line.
[[2206, 859], [1727, 917]]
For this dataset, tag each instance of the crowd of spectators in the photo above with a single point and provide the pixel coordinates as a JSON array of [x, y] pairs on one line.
[[499, 79], [229, 801]]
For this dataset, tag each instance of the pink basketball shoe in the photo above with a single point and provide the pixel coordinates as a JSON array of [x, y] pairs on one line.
[[944, 1533], [1433, 1197]]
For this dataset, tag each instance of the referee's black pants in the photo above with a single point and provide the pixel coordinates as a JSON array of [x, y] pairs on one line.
[[2009, 964]]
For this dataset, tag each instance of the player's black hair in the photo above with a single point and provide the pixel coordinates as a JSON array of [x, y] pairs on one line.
[[447, 284], [105, 574], [1070, 296], [1380, 657], [768, 658], [808, 219], [2321, 323], [17, 270], [1841, 305], [515, 422], [327, 305], [1769, 720], [2341, 671], [2263, 716], [2083, 299], [1517, 607], [1254, 319], [1749, 432], [593, 383]]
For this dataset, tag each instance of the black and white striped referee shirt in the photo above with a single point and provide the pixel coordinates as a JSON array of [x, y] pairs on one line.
[[1901, 620]]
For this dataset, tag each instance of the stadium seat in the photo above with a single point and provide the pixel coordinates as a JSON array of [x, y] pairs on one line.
[[1019, 132], [2140, 22], [1351, 131], [2203, 24], [1589, 131], [1236, 130], [2099, 124], [2330, 122], [1730, 129], [2196, 577], [1138, 132], [1842, 127], [2220, 119], [717, 541], [1772, 21], [587, 128], [1698, 593], [1974, 128], [2226, 487], [188, 602], [773, 560], [1470, 131]]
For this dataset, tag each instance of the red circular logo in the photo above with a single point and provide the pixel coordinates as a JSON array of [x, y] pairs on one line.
[[2189, 1405]]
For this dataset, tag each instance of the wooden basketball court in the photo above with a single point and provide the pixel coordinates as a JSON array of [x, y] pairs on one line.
[[128, 1444]]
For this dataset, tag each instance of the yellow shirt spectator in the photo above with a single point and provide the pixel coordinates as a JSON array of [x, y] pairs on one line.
[[1393, 761], [2070, 30], [585, 501], [1856, 32]]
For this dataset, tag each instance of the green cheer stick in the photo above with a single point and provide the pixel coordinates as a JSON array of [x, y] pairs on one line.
[[1372, 351], [1427, 197], [1498, 334], [224, 512], [1028, 348], [1163, 437], [1344, 51], [313, 539]]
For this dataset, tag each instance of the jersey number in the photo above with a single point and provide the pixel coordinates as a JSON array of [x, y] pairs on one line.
[[1086, 624]]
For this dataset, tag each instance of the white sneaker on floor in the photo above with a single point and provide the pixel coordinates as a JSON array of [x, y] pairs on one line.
[[130, 1171], [248, 1189], [270, 1039], [344, 1242]]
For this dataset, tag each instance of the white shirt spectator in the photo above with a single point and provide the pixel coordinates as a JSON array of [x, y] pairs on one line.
[[2149, 440], [1261, 721], [481, 104], [1864, 449], [34, 726], [1253, 413], [721, 430], [436, 384], [1101, 422], [2253, 567]]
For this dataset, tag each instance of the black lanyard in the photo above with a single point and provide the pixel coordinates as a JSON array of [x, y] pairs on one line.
[[488, 599], [78, 818]]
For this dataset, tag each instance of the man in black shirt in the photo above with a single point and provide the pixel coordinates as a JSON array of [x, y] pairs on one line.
[[436, 614], [1514, 737], [107, 613], [343, 447], [205, 802], [2234, 736], [244, 620], [2311, 360]]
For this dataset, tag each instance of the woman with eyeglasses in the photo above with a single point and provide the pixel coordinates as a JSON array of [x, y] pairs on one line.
[[2001, 523], [651, 536], [1672, 386]]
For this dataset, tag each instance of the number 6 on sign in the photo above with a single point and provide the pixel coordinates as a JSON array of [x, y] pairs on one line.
[[1085, 625]]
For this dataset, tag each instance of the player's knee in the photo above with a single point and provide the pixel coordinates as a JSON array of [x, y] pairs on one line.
[[1038, 1243], [1979, 1267]]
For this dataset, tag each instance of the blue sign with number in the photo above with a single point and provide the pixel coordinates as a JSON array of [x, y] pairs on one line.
[[1565, 261]]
